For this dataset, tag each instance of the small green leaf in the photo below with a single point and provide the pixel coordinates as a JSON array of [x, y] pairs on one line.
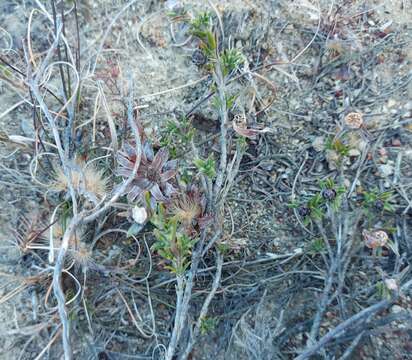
[[206, 167]]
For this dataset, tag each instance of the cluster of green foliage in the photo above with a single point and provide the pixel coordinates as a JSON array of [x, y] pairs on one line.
[[177, 135], [202, 28], [4, 71], [229, 99], [317, 246], [382, 291], [338, 146], [339, 190], [316, 206], [206, 167], [171, 244], [375, 204], [207, 325], [231, 59], [375, 200], [178, 13]]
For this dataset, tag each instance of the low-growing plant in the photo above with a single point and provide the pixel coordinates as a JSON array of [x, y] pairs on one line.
[[317, 246], [375, 200], [208, 325], [231, 59], [154, 175], [177, 136], [339, 148], [206, 167], [315, 207], [173, 244]]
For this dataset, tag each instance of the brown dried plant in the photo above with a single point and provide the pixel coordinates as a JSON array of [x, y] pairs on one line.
[[86, 179], [189, 208]]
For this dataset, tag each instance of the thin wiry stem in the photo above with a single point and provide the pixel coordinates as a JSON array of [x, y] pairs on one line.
[[205, 307], [219, 80]]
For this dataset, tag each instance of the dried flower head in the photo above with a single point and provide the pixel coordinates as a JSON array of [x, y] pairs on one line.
[[78, 250], [86, 179], [304, 211], [375, 238], [30, 230], [354, 120], [189, 208], [81, 255], [155, 172], [58, 232], [328, 194], [240, 126]]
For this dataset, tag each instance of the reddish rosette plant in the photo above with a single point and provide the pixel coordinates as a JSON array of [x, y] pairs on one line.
[[154, 175]]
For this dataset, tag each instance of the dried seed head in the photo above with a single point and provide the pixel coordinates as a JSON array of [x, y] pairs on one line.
[[198, 57], [335, 45], [329, 194], [375, 238], [30, 229], [58, 232], [379, 205], [240, 125], [354, 120], [304, 211], [78, 251], [81, 255], [187, 207], [83, 177]]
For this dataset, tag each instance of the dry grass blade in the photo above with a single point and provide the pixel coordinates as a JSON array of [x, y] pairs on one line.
[[110, 121]]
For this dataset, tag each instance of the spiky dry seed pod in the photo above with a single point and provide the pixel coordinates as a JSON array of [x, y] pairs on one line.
[[58, 232], [83, 177], [29, 229], [375, 238], [78, 251], [81, 255], [189, 207], [354, 120]]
